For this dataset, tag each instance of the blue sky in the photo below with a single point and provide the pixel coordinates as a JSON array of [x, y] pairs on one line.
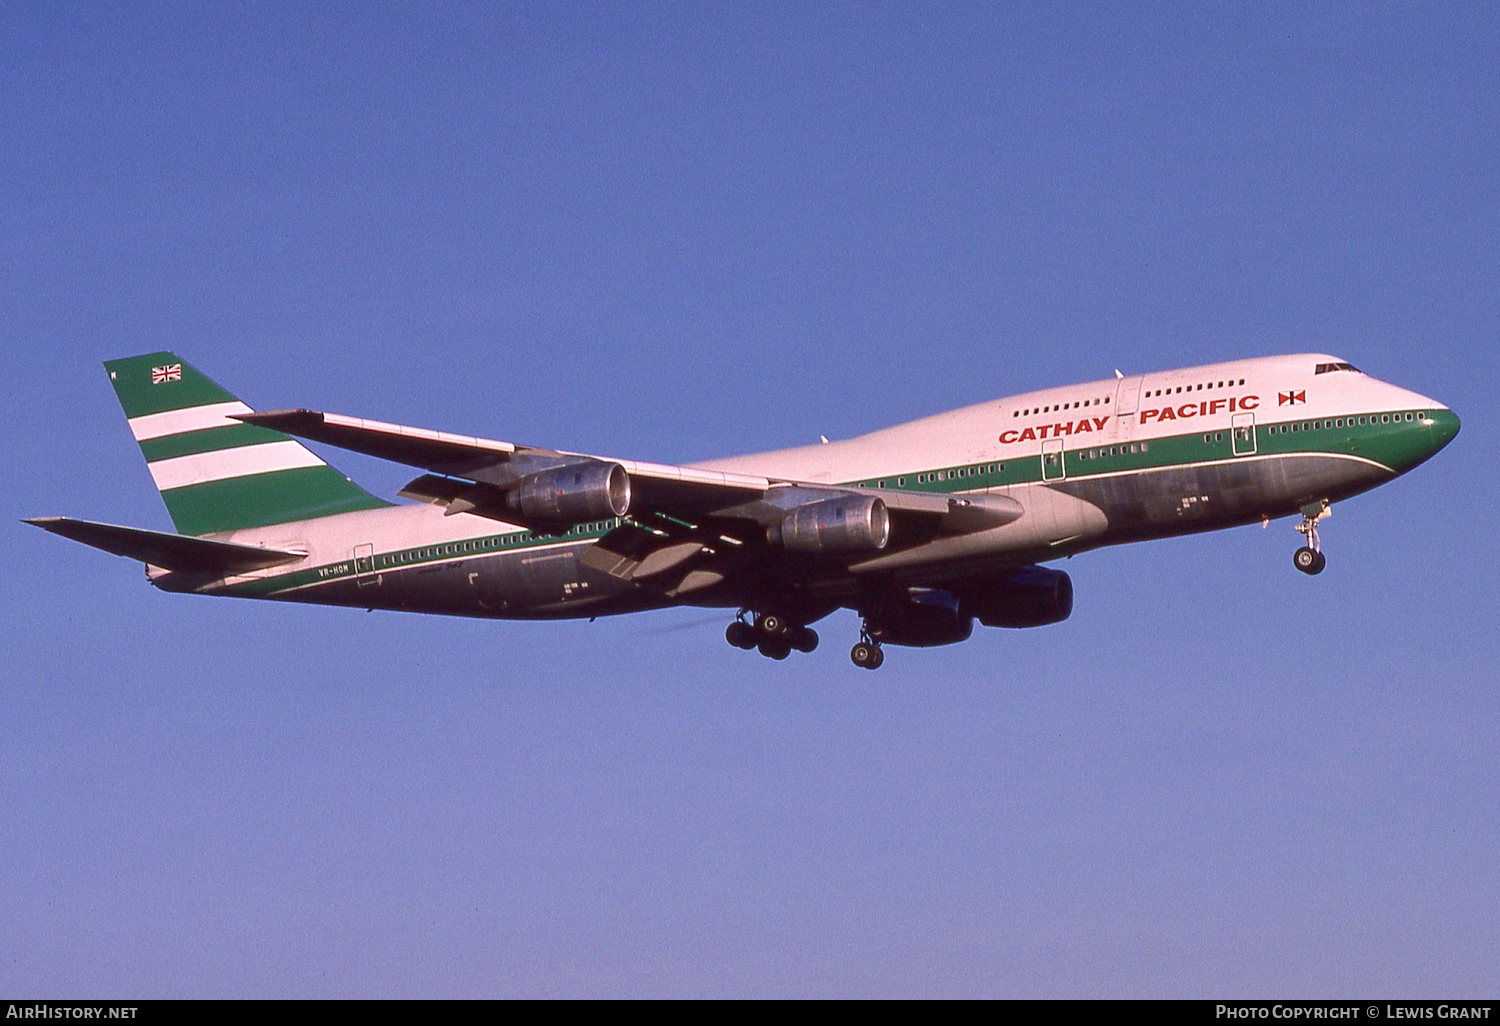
[[671, 232]]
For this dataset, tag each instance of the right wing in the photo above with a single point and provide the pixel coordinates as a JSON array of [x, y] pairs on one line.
[[500, 464], [678, 518]]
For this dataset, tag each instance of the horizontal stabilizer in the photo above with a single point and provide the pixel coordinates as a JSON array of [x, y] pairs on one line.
[[169, 551]]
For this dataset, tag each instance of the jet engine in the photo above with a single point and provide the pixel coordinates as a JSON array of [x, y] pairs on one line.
[[854, 523], [1032, 596], [922, 620], [572, 494]]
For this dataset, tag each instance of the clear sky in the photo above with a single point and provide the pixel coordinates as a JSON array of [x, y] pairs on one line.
[[671, 232]]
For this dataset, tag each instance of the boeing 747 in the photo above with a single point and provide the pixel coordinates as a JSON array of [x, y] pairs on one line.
[[922, 529]]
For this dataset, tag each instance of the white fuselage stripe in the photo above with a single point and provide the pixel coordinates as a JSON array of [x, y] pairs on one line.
[[194, 418], [181, 471]]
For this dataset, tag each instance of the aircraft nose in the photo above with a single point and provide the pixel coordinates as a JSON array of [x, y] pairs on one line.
[[1442, 425]]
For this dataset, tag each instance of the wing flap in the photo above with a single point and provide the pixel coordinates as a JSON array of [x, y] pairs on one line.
[[169, 551]]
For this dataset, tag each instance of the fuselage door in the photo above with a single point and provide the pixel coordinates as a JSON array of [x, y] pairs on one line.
[[364, 565], [1054, 466], [1127, 398], [1244, 434]]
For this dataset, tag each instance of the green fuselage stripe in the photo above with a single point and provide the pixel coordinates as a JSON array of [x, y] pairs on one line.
[[1396, 446]]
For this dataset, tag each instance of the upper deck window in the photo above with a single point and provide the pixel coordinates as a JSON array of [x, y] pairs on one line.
[[1326, 368]]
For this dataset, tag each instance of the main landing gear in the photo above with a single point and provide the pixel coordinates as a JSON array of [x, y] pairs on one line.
[[1309, 558], [776, 637], [773, 634]]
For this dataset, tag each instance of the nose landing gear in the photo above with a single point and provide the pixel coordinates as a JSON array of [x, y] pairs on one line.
[[1309, 558]]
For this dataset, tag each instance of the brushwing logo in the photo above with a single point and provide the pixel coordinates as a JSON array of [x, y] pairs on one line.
[[171, 372], [1290, 398]]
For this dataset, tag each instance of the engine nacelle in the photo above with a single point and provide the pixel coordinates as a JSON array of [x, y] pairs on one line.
[[854, 523], [923, 620], [1032, 596], [572, 494]]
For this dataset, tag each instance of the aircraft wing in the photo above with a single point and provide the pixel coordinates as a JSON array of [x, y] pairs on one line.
[[168, 551], [487, 461], [675, 513]]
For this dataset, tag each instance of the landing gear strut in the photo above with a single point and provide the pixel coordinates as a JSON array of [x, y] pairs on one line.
[[866, 654], [773, 634], [1309, 558]]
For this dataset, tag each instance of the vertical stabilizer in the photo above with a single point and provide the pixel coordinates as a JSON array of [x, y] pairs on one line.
[[217, 474]]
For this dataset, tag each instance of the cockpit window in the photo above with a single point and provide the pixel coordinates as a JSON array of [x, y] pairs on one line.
[[1327, 368]]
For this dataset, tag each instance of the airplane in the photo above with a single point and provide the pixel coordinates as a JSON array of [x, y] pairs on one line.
[[922, 528]]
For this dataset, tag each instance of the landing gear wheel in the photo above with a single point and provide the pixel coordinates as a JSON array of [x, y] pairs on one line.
[[772, 625], [740, 634], [867, 655], [773, 649], [1309, 561], [804, 639]]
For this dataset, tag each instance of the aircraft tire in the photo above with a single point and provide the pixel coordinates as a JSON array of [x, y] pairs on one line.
[[1309, 561], [805, 639], [772, 625], [773, 649], [866, 656], [740, 634]]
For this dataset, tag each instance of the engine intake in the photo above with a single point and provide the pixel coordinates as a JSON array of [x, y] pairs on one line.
[[572, 494], [854, 523], [1032, 596]]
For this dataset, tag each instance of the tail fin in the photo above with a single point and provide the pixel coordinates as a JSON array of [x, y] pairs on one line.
[[217, 474]]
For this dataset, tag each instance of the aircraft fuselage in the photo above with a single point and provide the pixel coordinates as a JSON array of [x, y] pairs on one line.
[[1100, 463]]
